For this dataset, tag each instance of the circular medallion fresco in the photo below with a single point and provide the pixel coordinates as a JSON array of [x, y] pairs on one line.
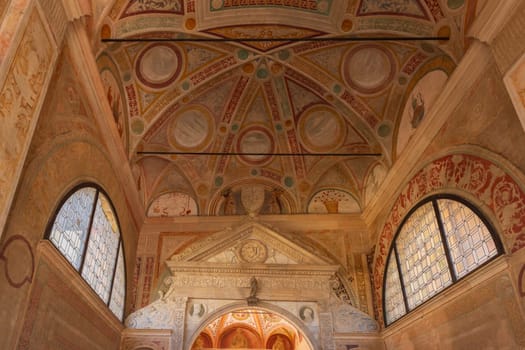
[[257, 142], [368, 68], [159, 65], [321, 129], [191, 129]]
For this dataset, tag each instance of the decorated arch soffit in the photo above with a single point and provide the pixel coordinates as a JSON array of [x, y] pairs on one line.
[[275, 97]]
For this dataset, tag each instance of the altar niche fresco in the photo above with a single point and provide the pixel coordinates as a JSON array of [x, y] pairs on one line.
[[251, 329]]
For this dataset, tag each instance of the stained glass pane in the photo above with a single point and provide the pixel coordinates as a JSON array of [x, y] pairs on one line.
[[422, 257], [69, 230], [394, 305], [102, 249], [469, 241], [118, 292]]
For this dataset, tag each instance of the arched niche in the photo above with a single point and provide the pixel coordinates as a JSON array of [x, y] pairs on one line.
[[241, 322]]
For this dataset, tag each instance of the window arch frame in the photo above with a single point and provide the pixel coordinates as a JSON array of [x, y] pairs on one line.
[[433, 199], [120, 246]]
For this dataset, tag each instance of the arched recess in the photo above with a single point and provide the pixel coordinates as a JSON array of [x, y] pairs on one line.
[[251, 196], [263, 308], [171, 204], [419, 98], [486, 180]]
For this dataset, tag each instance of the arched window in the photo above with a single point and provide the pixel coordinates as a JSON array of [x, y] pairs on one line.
[[439, 242], [86, 231]]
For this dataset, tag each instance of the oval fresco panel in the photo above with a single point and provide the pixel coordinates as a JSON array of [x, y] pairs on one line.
[[191, 129], [321, 129], [255, 140], [159, 65], [368, 68]]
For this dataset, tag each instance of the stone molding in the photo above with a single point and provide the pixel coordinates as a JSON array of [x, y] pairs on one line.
[[230, 237], [492, 18], [296, 222], [260, 269], [156, 339], [47, 252]]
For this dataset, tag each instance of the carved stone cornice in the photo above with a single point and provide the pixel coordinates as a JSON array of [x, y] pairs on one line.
[[290, 223], [220, 241], [327, 271]]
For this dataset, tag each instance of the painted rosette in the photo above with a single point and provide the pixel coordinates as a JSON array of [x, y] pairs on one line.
[[258, 145], [191, 129], [368, 68], [321, 129]]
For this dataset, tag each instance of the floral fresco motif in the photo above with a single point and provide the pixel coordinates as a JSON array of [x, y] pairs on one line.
[[332, 202]]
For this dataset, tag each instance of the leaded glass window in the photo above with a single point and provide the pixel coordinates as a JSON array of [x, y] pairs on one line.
[[86, 232], [468, 239], [422, 256], [71, 225], [118, 292], [440, 241], [103, 243], [394, 303]]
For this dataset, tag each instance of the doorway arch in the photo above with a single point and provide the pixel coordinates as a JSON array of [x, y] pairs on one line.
[[287, 329]]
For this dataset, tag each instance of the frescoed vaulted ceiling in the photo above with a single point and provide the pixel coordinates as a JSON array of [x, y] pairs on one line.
[[272, 97]]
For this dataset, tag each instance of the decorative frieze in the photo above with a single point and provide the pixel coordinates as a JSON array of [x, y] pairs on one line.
[[20, 102]]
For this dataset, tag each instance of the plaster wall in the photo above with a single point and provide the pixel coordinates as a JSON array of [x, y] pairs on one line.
[[39, 307], [479, 312], [474, 315], [63, 312]]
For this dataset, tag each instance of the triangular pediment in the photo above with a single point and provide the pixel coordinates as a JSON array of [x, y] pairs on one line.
[[251, 243]]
